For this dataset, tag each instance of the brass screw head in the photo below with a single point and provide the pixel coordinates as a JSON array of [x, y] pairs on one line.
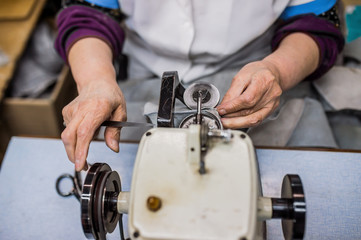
[[154, 203]]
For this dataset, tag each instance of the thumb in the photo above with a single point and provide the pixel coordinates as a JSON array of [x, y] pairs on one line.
[[232, 94], [237, 87], [112, 135]]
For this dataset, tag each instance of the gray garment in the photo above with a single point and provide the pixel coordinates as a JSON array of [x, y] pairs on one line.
[[299, 122], [347, 129], [340, 94], [39, 67], [285, 127], [279, 127], [313, 129], [353, 49], [341, 88]]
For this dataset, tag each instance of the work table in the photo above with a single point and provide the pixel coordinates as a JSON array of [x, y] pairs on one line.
[[31, 208]]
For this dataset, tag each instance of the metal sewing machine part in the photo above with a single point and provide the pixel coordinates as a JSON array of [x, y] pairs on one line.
[[203, 97], [198, 182], [199, 96]]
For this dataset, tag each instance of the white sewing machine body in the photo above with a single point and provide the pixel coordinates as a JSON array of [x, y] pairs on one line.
[[196, 182], [219, 204]]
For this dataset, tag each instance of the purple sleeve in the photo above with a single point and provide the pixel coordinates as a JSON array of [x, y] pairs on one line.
[[328, 37], [77, 22]]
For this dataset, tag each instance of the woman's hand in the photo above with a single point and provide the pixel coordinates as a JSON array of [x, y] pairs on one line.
[[256, 89], [99, 99], [97, 102], [254, 94]]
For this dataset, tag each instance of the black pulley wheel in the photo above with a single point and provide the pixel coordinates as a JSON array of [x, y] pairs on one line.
[[110, 194], [292, 189], [99, 214]]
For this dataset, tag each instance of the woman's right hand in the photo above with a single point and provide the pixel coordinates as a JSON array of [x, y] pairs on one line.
[[100, 99], [96, 103]]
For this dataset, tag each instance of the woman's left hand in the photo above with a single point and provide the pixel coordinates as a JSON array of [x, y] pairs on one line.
[[254, 94]]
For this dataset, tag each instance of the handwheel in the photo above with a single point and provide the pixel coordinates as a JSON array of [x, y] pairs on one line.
[[292, 189], [99, 214], [291, 207]]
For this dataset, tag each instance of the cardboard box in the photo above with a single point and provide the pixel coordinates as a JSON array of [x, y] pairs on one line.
[[39, 117], [17, 21], [351, 2]]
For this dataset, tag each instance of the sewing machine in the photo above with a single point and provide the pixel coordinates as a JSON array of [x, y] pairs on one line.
[[191, 181]]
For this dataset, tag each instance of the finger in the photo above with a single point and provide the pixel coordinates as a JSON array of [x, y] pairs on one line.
[[261, 104], [68, 111], [248, 121], [68, 136], [238, 85], [247, 100], [242, 113], [112, 135], [66, 115], [84, 135]]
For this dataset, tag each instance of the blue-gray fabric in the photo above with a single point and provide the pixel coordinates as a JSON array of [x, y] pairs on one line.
[[31, 166]]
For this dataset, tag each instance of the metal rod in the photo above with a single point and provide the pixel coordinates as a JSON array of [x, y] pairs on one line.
[[282, 208], [199, 107]]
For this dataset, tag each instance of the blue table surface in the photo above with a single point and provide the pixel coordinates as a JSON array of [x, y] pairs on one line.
[[31, 209]]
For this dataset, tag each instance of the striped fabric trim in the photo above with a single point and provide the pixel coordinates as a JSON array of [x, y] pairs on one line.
[[300, 7], [113, 4]]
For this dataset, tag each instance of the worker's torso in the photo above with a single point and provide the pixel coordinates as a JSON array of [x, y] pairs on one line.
[[198, 37]]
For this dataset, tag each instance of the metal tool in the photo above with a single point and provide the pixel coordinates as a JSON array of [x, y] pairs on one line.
[[77, 185], [118, 124]]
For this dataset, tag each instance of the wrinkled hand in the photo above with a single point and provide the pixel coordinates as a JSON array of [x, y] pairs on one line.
[[96, 103], [254, 94]]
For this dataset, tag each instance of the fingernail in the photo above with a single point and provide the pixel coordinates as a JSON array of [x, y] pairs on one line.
[[221, 111], [115, 145], [77, 165]]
